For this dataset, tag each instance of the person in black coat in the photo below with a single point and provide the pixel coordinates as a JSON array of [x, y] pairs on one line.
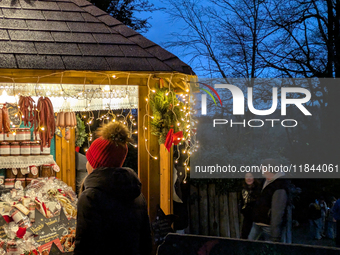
[[270, 207], [250, 192], [112, 213]]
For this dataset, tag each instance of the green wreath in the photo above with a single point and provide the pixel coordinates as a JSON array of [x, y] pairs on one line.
[[166, 112]]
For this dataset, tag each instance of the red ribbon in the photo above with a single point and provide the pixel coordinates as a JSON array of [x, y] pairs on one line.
[[7, 218], [21, 232], [43, 206], [172, 138]]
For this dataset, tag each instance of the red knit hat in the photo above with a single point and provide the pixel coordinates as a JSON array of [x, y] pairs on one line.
[[110, 149]]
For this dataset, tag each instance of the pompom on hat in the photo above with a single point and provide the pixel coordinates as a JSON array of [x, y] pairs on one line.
[[110, 149]]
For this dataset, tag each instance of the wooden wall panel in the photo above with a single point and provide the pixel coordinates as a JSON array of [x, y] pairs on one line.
[[65, 157]]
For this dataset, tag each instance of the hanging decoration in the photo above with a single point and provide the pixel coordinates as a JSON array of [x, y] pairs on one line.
[[79, 98], [171, 119], [127, 119], [172, 138], [81, 134], [167, 113]]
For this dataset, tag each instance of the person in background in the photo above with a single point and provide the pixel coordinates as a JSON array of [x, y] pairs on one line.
[[336, 216], [270, 207], [112, 213], [180, 196], [314, 216], [324, 210], [250, 192], [330, 224]]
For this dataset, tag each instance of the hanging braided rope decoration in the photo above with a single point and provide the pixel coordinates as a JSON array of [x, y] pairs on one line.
[[168, 120]]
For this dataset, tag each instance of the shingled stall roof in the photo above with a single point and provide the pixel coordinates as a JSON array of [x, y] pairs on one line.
[[75, 35]]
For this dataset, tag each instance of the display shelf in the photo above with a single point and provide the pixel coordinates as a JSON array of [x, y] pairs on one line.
[[25, 161]]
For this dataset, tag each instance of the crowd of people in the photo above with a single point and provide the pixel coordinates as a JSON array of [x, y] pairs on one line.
[[324, 219], [264, 208]]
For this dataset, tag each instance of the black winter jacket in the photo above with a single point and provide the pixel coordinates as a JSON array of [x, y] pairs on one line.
[[112, 215], [270, 207]]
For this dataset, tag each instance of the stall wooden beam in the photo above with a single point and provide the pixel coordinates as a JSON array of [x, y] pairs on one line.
[[81, 78], [148, 167], [65, 158], [166, 180]]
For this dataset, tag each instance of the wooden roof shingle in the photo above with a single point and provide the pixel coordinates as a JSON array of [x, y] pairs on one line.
[[75, 35]]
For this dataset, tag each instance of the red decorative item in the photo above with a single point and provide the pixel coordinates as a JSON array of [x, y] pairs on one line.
[[21, 232], [172, 138], [7, 218], [77, 148], [177, 137], [168, 140]]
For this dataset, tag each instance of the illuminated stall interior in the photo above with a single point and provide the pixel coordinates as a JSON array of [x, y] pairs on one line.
[[85, 60]]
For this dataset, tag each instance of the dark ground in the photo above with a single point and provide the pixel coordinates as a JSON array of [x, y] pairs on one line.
[[301, 236]]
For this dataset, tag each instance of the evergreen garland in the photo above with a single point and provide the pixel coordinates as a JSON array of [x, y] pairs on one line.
[[81, 134], [166, 111]]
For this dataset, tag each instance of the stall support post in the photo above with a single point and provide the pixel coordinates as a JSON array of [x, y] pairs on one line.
[[166, 180], [148, 167]]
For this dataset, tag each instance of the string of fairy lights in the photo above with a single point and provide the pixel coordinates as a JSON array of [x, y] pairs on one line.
[[185, 148], [128, 120]]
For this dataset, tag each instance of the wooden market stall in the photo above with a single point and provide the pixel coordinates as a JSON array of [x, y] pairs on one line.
[[74, 42]]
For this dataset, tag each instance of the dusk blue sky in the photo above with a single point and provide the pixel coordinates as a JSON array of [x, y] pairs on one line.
[[162, 27]]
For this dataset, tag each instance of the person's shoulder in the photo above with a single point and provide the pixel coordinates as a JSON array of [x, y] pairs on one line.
[[337, 203], [91, 193], [282, 183]]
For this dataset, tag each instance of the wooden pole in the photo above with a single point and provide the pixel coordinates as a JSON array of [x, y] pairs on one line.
[[166, 180], [148, 167]]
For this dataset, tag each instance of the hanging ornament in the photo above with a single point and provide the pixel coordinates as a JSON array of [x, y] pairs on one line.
[[172, 138]]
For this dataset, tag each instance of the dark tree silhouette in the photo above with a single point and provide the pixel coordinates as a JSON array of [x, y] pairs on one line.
[[126, 10]]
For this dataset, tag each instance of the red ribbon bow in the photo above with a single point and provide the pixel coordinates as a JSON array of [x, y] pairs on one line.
[[173, 138], [21, 232]]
